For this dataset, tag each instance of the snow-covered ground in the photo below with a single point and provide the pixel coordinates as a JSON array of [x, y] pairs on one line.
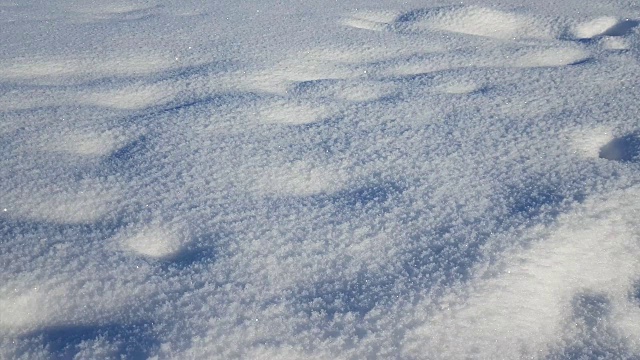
[[289, 179]]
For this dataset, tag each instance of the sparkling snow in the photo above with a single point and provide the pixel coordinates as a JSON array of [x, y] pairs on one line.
[[319, 180]]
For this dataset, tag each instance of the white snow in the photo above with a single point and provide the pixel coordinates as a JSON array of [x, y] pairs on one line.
[[595, 27], [319, 180]]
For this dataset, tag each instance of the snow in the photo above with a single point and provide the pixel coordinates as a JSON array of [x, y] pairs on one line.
[[319, 180]]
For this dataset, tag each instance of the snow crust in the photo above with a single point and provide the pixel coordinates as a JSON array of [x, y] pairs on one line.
[[319, 180]]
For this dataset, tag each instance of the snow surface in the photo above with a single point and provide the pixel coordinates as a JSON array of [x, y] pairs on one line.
[[319, 180]]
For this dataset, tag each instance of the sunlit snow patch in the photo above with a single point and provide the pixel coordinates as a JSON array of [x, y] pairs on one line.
[[299, 178], [589, 142], [114, 11], [604, 26], [370, 20], [87, 144], [349, 90], [615, 43], [83, 204], [479, 21], [462, 87], [299, 68], [154, 242], [529, 310], [74, 69], [24, 308], [550, 57], [75, 297], [129, 98], [293, 113], [594, 27], [364, 91]]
